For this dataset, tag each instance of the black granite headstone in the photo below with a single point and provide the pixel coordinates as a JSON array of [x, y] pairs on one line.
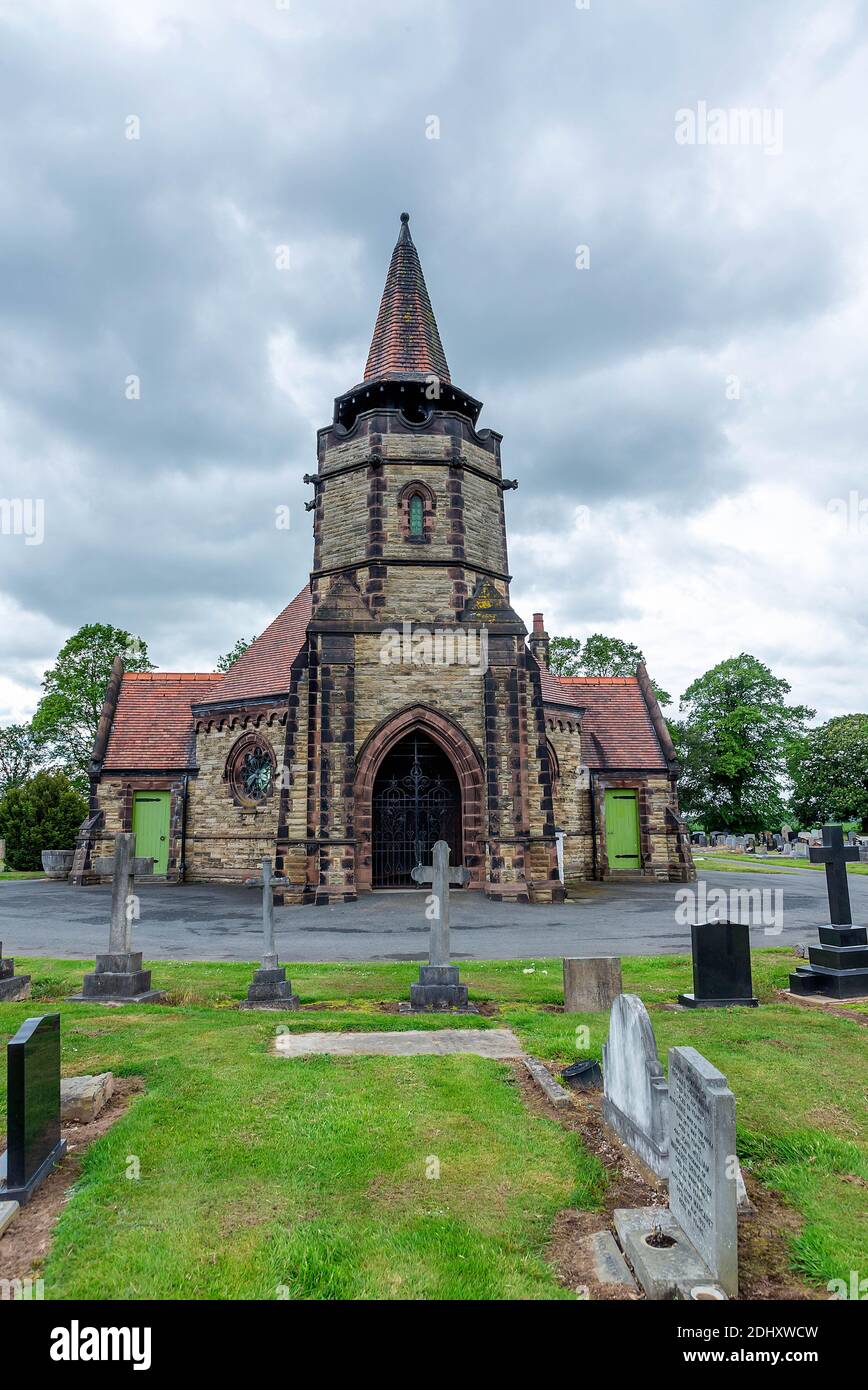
[[721, 966], [34, 1144]]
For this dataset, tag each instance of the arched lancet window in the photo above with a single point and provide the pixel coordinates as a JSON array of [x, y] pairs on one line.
[[417, 515]]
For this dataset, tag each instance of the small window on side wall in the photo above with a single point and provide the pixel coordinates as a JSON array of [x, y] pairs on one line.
[[417, 505]]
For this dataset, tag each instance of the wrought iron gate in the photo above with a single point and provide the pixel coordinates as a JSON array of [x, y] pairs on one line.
[[416, 802]]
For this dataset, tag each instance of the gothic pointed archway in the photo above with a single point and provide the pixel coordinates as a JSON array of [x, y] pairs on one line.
[[418, 776]]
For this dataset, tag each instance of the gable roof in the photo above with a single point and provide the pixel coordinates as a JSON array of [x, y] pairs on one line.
[[152, 726], [264, 668], [617, 729], [406, 341]]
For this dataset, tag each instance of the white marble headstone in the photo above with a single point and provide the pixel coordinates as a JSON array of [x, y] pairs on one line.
[[635, 1094]]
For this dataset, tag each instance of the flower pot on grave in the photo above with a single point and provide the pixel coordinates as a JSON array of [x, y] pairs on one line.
[[57, 863]]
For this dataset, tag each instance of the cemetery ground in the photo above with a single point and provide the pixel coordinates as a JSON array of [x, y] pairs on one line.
[[234, 1173]]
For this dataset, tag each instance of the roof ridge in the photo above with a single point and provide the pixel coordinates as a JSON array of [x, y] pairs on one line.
[[173, 675], [600, 680]]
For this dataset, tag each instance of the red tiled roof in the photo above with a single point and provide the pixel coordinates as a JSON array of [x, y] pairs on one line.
[[153, 722], [153, 726], [616, 726], [406, 339], [264, 668]]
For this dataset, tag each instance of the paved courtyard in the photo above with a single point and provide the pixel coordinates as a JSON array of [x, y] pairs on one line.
[[217, 922]]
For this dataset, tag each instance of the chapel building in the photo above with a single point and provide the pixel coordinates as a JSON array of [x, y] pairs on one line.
[[398, 699]]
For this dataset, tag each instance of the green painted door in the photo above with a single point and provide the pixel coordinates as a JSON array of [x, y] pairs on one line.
[[622, 830], [151, 827]]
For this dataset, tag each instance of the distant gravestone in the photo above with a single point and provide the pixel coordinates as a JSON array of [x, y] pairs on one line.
[[438, 986], [34, 1144], [270, 989], [800, 849], [721, 966], [591, 984], [635, 1094], [118, 977], [12, 986], [703, 1166]]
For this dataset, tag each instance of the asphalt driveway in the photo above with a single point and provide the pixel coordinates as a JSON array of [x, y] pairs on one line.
[[218, 922]]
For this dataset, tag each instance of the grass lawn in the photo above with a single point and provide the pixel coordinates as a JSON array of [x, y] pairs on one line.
[[760, 864], [21, 873], [263, 1177]]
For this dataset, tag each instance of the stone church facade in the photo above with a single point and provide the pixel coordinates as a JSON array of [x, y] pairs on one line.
[[398, 699]]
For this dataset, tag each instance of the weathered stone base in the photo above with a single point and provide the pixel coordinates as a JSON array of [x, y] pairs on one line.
[[83, 1097], [665, 1272], [507, 892], [270, 989], [654, 1156], [14, 987], [690, 1001], [438, 988], [118, 978]]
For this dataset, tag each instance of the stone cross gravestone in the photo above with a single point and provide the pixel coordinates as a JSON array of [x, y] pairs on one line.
[[118, 977], [703, 1168], [34, 1144], [838, 967], [12, 986], [721, 966], [270, 988], [635, 1094], [438, 986]]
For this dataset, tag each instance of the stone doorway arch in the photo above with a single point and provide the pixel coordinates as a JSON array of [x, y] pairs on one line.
[[468, 768]]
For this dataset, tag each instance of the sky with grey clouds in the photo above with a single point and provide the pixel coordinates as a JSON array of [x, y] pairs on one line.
[[685, 415]]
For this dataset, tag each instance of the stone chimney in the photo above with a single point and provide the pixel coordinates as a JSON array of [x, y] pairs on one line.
[[539, 641]]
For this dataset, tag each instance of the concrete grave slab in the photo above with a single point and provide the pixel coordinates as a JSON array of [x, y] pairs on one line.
[[498, 1043], [552, 1089], [660, 1269], [8, 1211]]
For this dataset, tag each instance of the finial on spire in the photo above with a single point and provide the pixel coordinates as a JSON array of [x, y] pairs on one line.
[[405, 217]]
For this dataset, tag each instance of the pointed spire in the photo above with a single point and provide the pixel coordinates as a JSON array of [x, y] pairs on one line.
[[406, 341]]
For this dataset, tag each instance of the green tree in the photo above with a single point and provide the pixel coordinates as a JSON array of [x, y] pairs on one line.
[[735, 739], [224, 662], [21, 754], [564, 656], [74, 688], [42, 813], [599, 656], [829, 769]]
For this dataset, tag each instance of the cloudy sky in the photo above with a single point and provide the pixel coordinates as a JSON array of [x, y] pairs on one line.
[[684, 402]]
